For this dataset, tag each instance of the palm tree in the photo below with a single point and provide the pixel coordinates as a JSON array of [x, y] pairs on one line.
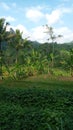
[[4, 36], [17, 46], [53, 38]]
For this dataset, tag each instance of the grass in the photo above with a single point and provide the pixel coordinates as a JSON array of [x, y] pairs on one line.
[[40, 103]]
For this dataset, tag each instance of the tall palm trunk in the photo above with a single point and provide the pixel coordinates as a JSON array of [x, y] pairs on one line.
[[53, 55]]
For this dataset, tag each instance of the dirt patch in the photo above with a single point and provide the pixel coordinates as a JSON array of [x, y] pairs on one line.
[[65, 78]]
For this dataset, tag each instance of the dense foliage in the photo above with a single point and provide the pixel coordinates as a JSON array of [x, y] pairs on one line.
[[21, 58], [36, 105], [32, 59]]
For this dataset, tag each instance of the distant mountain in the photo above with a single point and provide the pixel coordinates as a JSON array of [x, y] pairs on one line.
[[71, 43], [34, 44]]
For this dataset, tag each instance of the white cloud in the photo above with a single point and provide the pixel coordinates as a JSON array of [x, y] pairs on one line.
[[34, 14], [66, 10], [56, 15], [37, 13], [5, 6], [53, 17], [10, 18], [66, 32], [37, 34]]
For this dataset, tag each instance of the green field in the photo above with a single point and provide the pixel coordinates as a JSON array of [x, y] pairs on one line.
[[37, 103]]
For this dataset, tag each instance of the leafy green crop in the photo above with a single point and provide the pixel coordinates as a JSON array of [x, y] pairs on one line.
[[32, 107]]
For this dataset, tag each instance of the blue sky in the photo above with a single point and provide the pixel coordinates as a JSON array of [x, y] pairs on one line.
[[30, 15]]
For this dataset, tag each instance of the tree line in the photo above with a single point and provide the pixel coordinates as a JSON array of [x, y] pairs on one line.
[[21, 58]]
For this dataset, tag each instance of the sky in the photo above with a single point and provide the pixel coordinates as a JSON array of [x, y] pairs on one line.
[[31, 16]]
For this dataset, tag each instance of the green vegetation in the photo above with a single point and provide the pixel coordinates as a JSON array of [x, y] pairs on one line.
[[21, 58], [36, 103], [36, 82]]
